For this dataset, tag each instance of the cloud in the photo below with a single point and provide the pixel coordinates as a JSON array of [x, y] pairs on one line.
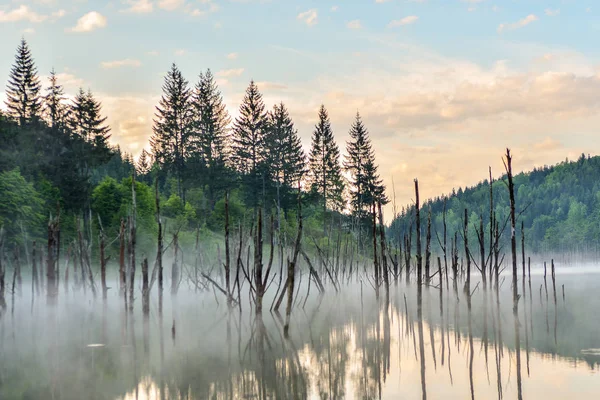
[[139, 6], [548, 144], [24, 13], [180, 52], [381, 1], [308, 17], [552, 13], [29, 31], [228, 73], [170, 5], [128, 62], [208, 8], [355, 24], [153, 53], [270, 86], [519, 24], [232, 56], [411, 19], [334, 8], [89, 22]]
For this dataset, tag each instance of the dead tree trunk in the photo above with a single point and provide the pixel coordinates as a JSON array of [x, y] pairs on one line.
[[103, 266], [175, 269], [513, 245], [384, 264], [51, 286], [227, 257], [132, 242], [122, 272], [467, 254], [291, 273], [259, 284], [145, 289], [418, 233], [428, 248], [34, 270], [159, 247], [2, 272], [375, 258]]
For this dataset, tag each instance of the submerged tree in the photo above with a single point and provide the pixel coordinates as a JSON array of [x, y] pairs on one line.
[[23, 88], [248, 142], [325, 175], [173, 126]]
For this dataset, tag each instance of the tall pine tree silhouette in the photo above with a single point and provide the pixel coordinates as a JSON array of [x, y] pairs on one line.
[[23, 89], [173, 127], [211, 140], [366, 187], [325, 175], [284, 155], [55, 109], [248, 143]]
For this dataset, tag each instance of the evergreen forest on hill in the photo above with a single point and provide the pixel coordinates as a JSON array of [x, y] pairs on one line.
[[559, 208], [56, 158]]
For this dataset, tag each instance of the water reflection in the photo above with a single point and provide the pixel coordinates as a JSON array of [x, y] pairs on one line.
[[345, 346]]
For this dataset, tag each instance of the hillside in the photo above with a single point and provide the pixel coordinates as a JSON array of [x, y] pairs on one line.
[[559, 206]]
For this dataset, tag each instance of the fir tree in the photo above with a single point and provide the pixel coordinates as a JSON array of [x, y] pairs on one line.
[[248, 141], [211, 136], [144, 163], [89, 125], [366, 186], [23, 88], [55, 110], [283, 150], [173, 127], [325, 174]]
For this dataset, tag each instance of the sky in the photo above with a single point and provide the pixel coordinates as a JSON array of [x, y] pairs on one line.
[[443, 86]]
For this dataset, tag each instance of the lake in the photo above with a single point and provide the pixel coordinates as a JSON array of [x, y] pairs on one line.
[[342, 345]]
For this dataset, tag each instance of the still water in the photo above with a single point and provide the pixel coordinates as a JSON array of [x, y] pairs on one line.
[[346, 345]]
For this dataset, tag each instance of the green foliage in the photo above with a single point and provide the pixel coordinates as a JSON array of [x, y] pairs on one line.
[[559, 207], [21, 204]]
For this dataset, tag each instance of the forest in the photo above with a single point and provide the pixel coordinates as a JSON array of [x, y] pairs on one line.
[[56, 158], [560, 207]]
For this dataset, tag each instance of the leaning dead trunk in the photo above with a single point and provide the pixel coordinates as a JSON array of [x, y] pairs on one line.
[[132, 243], [292, 273], [145, 289], [428, 248], [103, 267], [175, 268], [258, 266], [2, 272], [159, 247], [384, 265]]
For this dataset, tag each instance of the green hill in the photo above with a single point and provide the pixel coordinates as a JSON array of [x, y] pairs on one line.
[[558, 205]]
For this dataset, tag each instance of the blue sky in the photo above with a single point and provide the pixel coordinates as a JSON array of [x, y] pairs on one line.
[[443, 85]]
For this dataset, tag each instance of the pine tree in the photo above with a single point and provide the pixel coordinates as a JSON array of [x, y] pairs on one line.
[[248, 142], [211, 136], [89, 125], [325, 174], [173, 127], [283, 150], [144, 163], [366, 186], [23, 88], [55, 110]]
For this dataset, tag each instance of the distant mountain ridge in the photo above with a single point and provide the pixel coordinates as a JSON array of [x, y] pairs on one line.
[[559, 207]]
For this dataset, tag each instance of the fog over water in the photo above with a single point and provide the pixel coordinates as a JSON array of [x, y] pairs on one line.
[[345, 345]]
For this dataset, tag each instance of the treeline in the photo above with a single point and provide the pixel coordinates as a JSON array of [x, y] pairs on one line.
[[559, 208], [55, 157]]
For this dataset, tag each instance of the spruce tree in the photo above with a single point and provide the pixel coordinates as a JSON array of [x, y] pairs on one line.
[[211, 135], [173, 127], [248, 142], [55, 109], [366, 187], [325, 174], [90, 126], [144, 163], [283, 151], [23, 88]]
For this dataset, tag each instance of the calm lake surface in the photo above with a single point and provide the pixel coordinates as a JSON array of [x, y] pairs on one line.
[[346, 345]]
